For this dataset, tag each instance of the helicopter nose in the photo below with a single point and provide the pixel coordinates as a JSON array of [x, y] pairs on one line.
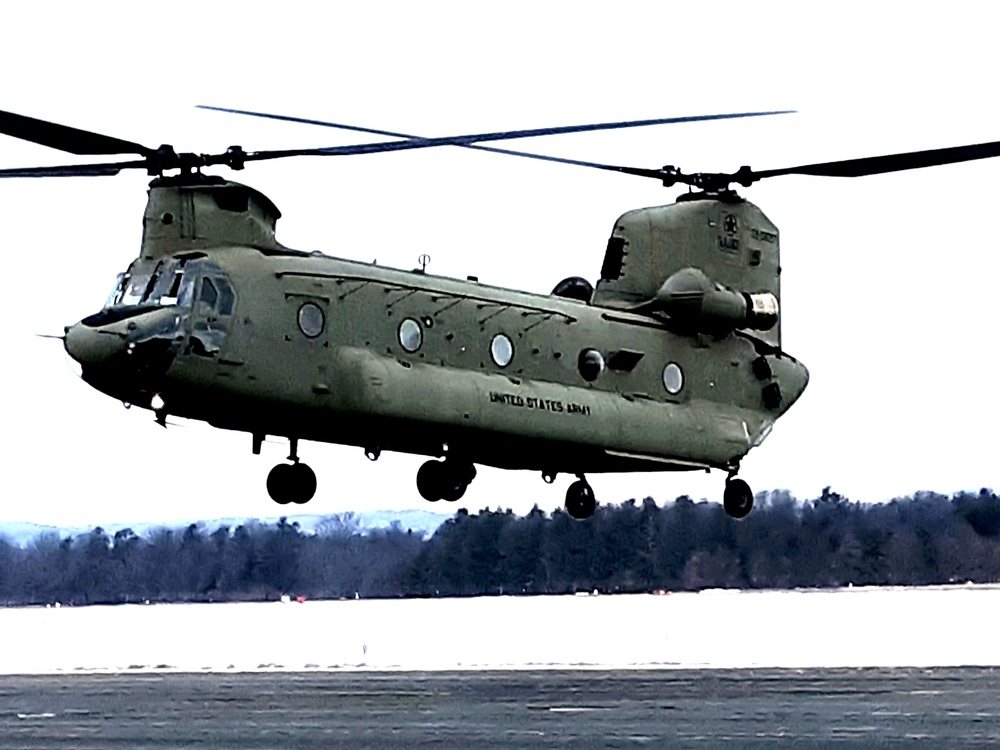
[[92, 346]]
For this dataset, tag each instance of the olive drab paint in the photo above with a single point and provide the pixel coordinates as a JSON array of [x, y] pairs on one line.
[[727, 238]]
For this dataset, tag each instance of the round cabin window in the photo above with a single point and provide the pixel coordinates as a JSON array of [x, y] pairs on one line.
[[673, 378], [502, 349], [590, 364], [411, 335], [311, 320]]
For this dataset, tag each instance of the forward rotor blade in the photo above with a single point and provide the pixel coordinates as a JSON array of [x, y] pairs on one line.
[[461, 140], [65, 138], [476, 146], [77, 170]]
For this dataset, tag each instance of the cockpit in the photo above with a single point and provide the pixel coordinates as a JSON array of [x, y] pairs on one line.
[[171, 295], [160, 310]]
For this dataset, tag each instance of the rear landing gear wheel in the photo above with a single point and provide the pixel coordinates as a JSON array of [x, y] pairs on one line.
[[444, 480], [291, 483], [580, 500], [737, 498]]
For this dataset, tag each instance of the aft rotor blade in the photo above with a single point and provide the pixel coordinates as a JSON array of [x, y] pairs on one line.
[[65, 138], [844, 168], [890, 162]]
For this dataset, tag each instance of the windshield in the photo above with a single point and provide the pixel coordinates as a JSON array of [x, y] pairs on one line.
[[164, 284]]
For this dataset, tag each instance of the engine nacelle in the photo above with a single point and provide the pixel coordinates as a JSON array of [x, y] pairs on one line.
[[696, 303]]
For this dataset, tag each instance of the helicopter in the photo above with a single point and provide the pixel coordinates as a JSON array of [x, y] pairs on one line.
[[672, 361]]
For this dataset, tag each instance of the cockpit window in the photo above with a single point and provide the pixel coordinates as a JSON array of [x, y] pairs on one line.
[[217, 293], [226, 297], [168, 288], [209, 294], [166, 284], [116, 292], [130, 289]]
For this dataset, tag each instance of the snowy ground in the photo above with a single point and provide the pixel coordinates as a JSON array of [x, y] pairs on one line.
[[862, 627]]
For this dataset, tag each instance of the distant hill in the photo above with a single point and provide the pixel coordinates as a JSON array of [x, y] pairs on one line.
[[423, 522]]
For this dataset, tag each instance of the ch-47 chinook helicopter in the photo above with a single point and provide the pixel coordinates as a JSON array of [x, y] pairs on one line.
[[673, 361]]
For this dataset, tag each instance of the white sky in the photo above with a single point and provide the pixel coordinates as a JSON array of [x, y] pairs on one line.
[[888, 282]]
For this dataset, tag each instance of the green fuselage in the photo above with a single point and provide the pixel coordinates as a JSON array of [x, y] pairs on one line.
[[278, 342]]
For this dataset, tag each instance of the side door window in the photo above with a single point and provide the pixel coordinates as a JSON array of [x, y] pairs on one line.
[[213, 311]]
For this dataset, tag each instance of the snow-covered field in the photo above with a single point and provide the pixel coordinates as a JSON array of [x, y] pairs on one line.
[[861, 627]]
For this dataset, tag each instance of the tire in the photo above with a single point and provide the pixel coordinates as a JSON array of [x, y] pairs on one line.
[[455, 480], [737, 498], [453, 493], [278, 481], [430, 477], [302, 484], [580, 500]]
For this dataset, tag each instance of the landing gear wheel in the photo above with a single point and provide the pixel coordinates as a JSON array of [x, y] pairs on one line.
[[453, 493], [291, 483], [457, 477], [429, 480], [737, 498], [444, 480], [303, 483], [580, 500], [277, 484]]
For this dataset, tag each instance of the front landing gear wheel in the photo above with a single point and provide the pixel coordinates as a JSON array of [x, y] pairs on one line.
[[291, 483], [580, 500], [737, 498]]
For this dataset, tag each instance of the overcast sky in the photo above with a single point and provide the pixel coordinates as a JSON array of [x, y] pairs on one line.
[[889, 282]]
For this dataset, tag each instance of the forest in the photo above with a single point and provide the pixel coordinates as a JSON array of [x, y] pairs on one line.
[[828, 541]]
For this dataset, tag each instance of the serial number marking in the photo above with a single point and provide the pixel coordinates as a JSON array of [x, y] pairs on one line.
[[539, 404], [729, 244]]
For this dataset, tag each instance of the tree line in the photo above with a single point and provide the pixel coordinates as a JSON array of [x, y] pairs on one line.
[[828, 541]]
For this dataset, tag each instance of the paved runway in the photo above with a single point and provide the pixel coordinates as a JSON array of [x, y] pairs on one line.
[[461, 710]]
